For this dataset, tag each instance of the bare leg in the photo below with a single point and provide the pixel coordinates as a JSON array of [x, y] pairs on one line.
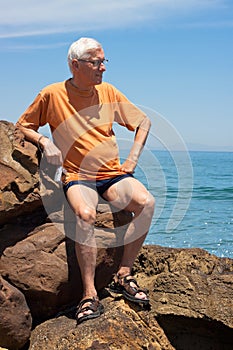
[[131, 195], [87, 262], [83, 201]]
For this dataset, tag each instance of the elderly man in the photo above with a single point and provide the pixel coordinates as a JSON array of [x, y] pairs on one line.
[[80, 112]]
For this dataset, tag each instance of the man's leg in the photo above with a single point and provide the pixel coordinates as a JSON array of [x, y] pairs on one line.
[[83, 200], [129, 194]]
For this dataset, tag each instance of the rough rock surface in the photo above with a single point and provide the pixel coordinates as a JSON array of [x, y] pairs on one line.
[[15, 320], [41, 268], [19, 180], [121, 327], [191, 308], [190, 290]]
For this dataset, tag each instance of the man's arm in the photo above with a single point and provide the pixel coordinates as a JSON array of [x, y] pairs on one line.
[[52, 153], [139, 141]]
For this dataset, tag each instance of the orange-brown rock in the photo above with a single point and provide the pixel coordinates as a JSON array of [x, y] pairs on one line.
[[15, 317], [19, 180], [190, 290], [44, 267], [191, 308]]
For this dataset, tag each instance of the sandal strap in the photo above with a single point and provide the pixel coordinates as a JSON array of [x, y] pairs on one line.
[[94, 302], [116, 277], [130, 289]]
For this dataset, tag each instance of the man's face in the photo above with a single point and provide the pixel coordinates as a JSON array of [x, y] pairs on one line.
[[90, 70]]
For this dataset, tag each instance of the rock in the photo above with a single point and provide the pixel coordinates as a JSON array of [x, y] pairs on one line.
[[192, 293], [189, 280], [41, 262], [26, 183], [19, 179], [190, 290], [15, 317], [34, 267], [191, 308], [32, 237], [121, 327], [44, 267]]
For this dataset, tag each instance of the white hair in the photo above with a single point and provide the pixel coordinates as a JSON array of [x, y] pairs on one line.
[[81, 49]]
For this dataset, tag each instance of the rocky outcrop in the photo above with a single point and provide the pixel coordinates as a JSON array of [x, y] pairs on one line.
[[190, 290], [44, 267], [121, 327], [16, 318], [19, 180], [36, 258], [191, 308]]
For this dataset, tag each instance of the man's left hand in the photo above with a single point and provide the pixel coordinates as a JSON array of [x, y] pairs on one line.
[[129, 166]]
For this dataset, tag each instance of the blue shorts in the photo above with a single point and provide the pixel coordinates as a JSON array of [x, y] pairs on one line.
[[100, 185]]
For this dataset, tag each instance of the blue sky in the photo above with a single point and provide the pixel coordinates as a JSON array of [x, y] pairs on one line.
[[173, 57]]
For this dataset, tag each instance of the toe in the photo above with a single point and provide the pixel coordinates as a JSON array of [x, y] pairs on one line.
[[141, 295]]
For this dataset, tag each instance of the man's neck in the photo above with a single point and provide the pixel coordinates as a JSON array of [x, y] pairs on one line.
[[80, 88]]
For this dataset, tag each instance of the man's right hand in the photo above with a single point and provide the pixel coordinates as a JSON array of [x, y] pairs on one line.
[[51, 152]]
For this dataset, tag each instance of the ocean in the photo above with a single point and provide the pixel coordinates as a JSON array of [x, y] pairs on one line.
[[194, 199]]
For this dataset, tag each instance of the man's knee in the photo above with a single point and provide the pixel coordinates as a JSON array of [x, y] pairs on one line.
[[146, 203], [149, 203], [87, 215], [151, 200]]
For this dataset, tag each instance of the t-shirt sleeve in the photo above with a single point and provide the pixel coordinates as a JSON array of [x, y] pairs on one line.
[[35, 115], [126, 113]]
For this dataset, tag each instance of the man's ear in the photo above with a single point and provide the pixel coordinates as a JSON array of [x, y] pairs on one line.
[[75, 64]]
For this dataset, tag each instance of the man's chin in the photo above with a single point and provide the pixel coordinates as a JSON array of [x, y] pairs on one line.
[[98, 82]]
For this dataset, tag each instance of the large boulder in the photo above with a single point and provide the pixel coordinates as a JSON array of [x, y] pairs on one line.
[[19, 180], [122, 326], [15, 317], [44, 267], [190, 283]]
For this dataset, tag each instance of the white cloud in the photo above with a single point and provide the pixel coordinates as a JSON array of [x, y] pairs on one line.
[[33, 17]]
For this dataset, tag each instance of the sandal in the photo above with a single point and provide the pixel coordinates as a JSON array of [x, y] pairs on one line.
[[93, 305], [127, 290]]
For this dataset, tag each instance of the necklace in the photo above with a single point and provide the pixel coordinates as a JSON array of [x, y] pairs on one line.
[[84, 93]]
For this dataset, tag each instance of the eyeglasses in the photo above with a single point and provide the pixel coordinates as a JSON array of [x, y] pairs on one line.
[[96, 63]]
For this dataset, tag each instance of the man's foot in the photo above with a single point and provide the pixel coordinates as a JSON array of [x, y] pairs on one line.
[[88, 308], [128, 287]]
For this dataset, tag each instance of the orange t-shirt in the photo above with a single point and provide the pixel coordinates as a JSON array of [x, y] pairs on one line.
[[81, 126]]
